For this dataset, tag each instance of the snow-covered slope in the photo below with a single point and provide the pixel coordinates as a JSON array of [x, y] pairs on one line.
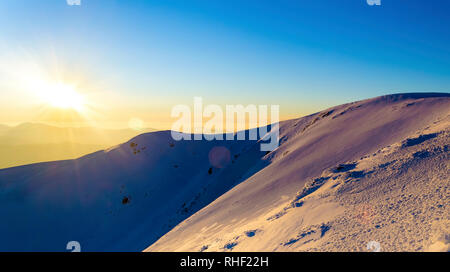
[[354, 158], [121, 199], [371, 172]]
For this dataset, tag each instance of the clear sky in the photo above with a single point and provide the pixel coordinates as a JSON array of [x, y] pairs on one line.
[[137, 59]]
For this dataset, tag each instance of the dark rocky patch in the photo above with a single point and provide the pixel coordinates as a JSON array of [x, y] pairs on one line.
[[418, 140]]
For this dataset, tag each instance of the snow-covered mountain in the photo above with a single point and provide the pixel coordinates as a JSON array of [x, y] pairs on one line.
[[120, 199], [370, 175], [374, 170]]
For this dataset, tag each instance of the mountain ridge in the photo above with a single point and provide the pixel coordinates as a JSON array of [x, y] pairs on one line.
[[132, 196], [326, 144]]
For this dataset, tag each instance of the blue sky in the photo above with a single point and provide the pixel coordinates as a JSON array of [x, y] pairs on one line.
[[303, 55]]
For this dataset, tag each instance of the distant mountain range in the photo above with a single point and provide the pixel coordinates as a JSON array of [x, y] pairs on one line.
[[3, 128], [34, 142]]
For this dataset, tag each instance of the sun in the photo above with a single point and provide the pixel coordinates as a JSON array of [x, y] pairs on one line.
[[62, 96]]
